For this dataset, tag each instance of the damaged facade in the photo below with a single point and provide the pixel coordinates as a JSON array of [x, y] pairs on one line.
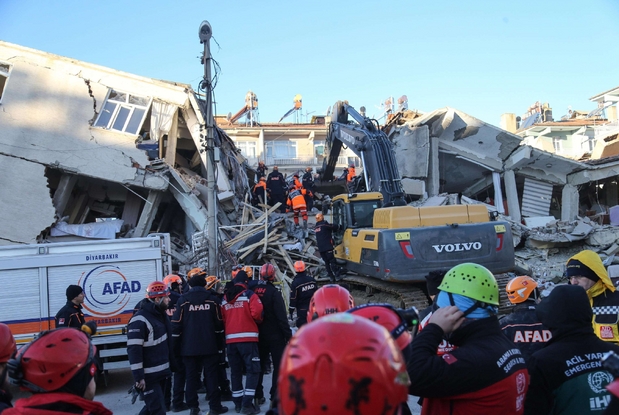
[[88, 151]]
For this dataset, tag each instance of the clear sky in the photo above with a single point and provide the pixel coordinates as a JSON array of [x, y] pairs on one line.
[[482, 57]]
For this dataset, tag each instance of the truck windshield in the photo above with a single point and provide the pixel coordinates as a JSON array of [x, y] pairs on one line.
[[363, 213]]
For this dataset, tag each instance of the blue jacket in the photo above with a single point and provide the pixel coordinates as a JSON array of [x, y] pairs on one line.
[[149, 343]]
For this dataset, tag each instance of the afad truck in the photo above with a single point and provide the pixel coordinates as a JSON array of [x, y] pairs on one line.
[[114, 275]]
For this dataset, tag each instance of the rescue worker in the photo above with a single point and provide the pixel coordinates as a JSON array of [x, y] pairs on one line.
[[295, 180], [59, 369], [397, 322], [329, 299], [351, 172], [586, 270], [341, 364], [276, 186], [197, 331], [175, 391], [486, 373], [7, 348], [307, 181], [212, 285], [433, 280], [149, 347], [324, 240], [301, 291], [262, 169], [566, 375], [296, 203], [259, 193], [274, 331], [522, 325], [71, 314], [242, 312]]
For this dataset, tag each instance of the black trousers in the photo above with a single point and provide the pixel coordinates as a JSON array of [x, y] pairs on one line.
[[193, 368], [244, 355], [154, 403], [273, 346], [330, 263]]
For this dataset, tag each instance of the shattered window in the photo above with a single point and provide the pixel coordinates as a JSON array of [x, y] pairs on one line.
[[123, 112], [5, 68]]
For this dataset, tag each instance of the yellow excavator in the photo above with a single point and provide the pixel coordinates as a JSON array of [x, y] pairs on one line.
[[383, 243]]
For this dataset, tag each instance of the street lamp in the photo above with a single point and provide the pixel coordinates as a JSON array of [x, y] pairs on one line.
[[205, 33]]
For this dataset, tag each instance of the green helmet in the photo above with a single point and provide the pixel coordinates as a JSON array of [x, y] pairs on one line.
[[472, 281]]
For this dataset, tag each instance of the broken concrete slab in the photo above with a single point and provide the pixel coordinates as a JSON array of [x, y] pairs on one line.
[[538, 221], [603, 237]]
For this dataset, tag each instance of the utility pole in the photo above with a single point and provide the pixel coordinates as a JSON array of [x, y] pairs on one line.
[[205, 33]]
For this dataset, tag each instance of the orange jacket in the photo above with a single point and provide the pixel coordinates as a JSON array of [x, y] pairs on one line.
[[296, 199]]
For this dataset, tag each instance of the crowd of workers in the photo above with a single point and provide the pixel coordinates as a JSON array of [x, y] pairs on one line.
[[457, 356]]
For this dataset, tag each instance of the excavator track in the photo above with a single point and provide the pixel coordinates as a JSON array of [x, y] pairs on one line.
[[413, 295]]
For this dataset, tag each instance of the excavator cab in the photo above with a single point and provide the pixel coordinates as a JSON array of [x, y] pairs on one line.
[[354, 211]]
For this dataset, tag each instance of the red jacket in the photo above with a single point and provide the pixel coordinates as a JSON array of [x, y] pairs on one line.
[[56, 403], [242, 311]]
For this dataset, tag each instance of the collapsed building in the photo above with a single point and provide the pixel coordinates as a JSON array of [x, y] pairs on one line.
[[89, 151]]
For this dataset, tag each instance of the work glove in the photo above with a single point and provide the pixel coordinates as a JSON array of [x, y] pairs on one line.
[[90, 328], [135, 393]]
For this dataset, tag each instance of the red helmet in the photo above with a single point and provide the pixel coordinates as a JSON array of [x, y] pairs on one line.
[[299, 266], [386, 316], [267, 272], [53, 360], [520, 288], [168, 280], [157, 289], [195, 271], [329, 299], [316, 363], [7, 343]]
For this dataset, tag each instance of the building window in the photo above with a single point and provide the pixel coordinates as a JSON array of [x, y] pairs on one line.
[[5, 69], [588, 144], [123, 112], [248, 148], [557, 143], [281, 149]]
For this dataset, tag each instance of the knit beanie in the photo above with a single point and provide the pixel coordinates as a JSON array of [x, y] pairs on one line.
[[575, 268], [433, 280], [241, 277], [73, 291], [198, 281]]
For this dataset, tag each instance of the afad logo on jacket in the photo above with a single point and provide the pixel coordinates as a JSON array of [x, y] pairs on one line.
[[107, 291]]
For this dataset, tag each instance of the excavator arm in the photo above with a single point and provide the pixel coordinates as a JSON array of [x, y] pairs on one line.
[[366, 140]]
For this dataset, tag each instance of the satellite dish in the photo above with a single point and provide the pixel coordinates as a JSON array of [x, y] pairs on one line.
[[362, 111], [229, 116], [329, 111]]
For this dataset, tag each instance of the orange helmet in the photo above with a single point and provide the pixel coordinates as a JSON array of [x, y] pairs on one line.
[[157, 289], [211, 281], [520, 288], [61, 359], [195, 271], [299, 266], [249, 271], [168, 280], [263, 179], [329, 299], [317, 362], [388, 317], [235, 270], [267, 272], [319, 217], [7, 343]]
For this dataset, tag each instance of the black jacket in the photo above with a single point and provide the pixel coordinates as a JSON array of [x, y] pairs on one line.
[[524, 328], [324, 235], [276, 183], [70, 315], [149, 343], [485, 374], [567, 375], [301, 291], [308, 180], [275, 322], [197, 324]]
